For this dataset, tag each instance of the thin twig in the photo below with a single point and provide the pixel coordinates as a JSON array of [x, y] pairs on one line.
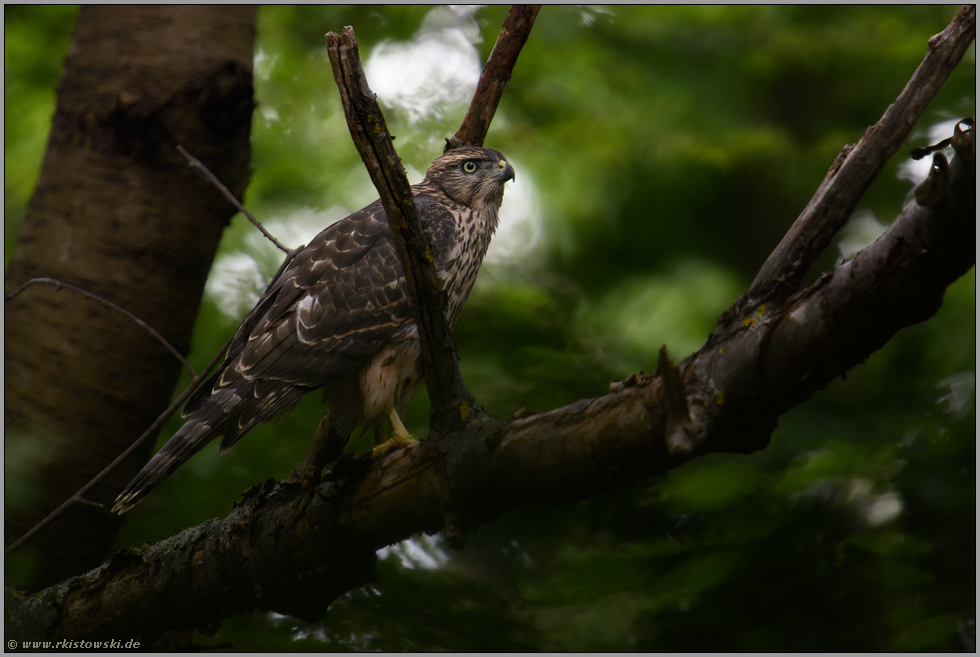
[[195, 163], [109, 304], [496, 73], [79, 495], [853, 172]]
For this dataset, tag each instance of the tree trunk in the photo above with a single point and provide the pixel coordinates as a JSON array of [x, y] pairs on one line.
[[117, 212]]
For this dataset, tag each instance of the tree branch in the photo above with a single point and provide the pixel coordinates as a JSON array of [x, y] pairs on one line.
[[740, 384], [447, 392], [856, 167], [294, 551], [517, 26]]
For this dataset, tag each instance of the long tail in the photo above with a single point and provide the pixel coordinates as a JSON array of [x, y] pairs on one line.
[[233, 411], [187, 442]]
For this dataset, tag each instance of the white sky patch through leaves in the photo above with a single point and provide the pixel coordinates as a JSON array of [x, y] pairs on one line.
[[434, 73]]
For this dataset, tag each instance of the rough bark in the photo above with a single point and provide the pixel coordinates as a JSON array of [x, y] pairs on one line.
[[118, 213], [293, 550]]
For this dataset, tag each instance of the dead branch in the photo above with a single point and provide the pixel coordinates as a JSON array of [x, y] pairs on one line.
[[856, 167], [513, 35], [854, 310]]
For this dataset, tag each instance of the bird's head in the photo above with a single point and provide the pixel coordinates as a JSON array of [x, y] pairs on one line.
[[473, 176]]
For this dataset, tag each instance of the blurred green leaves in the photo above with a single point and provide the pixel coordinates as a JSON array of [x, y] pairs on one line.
[[678, 309], [708, 486]]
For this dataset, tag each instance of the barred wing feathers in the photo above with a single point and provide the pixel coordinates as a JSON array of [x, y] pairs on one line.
[[340, 300]]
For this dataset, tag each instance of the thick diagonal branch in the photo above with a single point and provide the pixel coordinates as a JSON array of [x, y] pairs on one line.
[[370, 134], [856, 167]]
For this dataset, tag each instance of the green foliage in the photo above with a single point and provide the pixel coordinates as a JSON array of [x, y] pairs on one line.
[[661, 153]]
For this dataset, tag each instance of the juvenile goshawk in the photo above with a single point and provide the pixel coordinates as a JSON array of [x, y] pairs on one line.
[[339, 318]]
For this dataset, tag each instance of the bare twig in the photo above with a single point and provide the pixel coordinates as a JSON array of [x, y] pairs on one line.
[[149, 433], [370, 134], [852, 173], [195, 163], [495, 76], [44, 280]]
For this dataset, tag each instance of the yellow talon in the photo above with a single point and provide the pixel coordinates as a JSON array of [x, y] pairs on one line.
[[399, 437], [398, 430]]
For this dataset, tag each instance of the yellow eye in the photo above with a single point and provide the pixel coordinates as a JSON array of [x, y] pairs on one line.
[[469, 166]]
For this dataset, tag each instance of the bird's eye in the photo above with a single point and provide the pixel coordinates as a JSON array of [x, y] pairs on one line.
[[469, 166]]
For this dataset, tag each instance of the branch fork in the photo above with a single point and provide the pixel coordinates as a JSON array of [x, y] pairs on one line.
[[452, 404]]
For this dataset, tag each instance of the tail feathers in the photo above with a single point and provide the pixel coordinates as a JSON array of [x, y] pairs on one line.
[[186, 443], [232, 411], [265, 405]]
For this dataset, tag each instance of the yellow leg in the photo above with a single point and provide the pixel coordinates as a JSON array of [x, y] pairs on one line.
[[398, 430], [399, 437]]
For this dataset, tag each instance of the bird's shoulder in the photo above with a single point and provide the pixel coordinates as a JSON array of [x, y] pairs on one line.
[[441, 219], [340, 299], [346, 282]]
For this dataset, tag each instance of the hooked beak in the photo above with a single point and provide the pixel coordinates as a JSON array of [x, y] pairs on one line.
[[505, 172]]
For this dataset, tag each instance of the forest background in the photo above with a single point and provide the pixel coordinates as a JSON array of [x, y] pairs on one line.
[[661, 154]]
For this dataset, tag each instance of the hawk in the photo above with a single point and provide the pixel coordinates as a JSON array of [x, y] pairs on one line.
[[339, 318]]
